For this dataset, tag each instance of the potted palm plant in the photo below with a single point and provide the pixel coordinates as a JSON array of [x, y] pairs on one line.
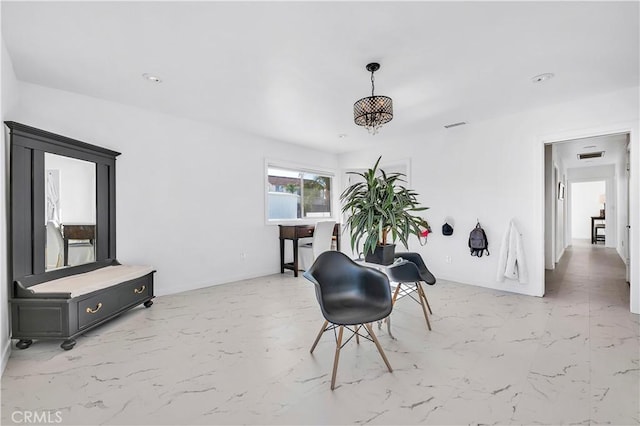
[[381, 211]]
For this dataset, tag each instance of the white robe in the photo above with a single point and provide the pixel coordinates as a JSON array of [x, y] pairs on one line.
[[511, 263]]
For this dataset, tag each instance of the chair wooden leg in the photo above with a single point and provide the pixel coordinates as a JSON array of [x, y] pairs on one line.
[[337, 357], [375, 340], [357, 335], [324, 326], [422, 298], [424, 294], [395, 293]]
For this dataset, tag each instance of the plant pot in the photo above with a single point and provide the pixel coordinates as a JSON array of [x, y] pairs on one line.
[[383, 255]]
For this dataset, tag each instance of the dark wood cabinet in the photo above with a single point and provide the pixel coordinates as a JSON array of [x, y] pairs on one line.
[[49, 315]]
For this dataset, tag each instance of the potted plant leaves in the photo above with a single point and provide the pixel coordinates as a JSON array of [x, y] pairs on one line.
[[381, 211]]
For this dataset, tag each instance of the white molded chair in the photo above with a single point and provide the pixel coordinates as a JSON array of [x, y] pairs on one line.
[[322, 238], [55, 246]]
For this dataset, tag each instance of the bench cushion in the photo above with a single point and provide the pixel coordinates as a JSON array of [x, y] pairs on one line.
[[77, 285]]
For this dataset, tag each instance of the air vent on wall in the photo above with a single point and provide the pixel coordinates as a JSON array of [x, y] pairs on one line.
[[588, 155], [460, 123]]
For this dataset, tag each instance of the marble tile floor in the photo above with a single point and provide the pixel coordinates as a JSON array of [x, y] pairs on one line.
[[239, 354]]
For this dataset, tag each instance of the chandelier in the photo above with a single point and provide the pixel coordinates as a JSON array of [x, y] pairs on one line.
[[373, 111]]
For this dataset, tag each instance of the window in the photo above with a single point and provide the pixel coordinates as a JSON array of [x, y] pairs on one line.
[[298, 194]]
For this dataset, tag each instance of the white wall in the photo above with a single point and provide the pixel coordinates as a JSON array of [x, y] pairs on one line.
[[8, 94], [623, 210], [584, 204], [508, 184], [607, 174], [560, 212], [190, 196], [549, 203]]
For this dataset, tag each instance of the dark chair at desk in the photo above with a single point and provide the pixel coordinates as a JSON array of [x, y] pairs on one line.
[[595, 227], [600, 236], [351, 296], [83, 236]]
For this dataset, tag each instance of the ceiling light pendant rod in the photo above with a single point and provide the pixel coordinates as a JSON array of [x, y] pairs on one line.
[[373, 84], [373, 111]]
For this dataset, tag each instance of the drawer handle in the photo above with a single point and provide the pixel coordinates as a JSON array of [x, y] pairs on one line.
[[139, 290], [93, 311]]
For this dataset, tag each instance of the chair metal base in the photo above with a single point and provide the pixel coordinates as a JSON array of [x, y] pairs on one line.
[[339, 345]]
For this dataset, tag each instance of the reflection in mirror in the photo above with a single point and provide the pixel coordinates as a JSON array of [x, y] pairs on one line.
[[70, 200]]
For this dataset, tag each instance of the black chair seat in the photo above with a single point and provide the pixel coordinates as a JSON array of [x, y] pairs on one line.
[[404, 272], [354, 310], [425, 275]]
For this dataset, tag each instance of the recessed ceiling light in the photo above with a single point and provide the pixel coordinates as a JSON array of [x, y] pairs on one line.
[[342, 135], [588, 146], [152, 78], [542, 77]]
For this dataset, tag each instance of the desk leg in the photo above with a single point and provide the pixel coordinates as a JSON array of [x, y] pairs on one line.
[[65, 261], [295, 257], [281, 255], [593, 232]]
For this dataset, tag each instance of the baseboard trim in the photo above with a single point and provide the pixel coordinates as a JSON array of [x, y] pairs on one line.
[[6, 352]]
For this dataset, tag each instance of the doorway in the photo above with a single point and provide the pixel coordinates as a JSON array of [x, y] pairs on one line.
[[587, 197]]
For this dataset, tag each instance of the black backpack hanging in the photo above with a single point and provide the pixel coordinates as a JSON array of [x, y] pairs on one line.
[[478, 243]]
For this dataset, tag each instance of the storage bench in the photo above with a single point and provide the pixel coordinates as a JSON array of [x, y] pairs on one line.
[[69, 306]]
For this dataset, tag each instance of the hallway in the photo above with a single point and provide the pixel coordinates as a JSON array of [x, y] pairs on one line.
[[590, 299], [592, 273]]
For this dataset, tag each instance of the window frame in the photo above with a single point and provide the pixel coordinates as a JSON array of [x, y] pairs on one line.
[[305, 168]]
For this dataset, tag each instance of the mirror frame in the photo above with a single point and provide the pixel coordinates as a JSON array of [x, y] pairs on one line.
[[27, 228]]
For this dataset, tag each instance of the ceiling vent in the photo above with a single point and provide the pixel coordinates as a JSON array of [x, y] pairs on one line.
[[460, 123], [590, 155]]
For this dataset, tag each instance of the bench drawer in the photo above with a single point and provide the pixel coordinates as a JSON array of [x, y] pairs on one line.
[[97, 308], [136, 291]]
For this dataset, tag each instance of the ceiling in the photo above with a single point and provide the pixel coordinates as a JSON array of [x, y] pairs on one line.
[[614, 148], [291, 71]]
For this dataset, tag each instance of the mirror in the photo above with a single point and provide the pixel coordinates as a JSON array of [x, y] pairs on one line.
[[70, 211], [81, 201]]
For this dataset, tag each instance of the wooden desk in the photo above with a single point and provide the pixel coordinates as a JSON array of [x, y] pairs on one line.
[[294, 233], [73, 231], [594, 235]]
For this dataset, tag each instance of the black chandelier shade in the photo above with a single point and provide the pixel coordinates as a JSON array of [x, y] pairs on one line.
[[373, 111]]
